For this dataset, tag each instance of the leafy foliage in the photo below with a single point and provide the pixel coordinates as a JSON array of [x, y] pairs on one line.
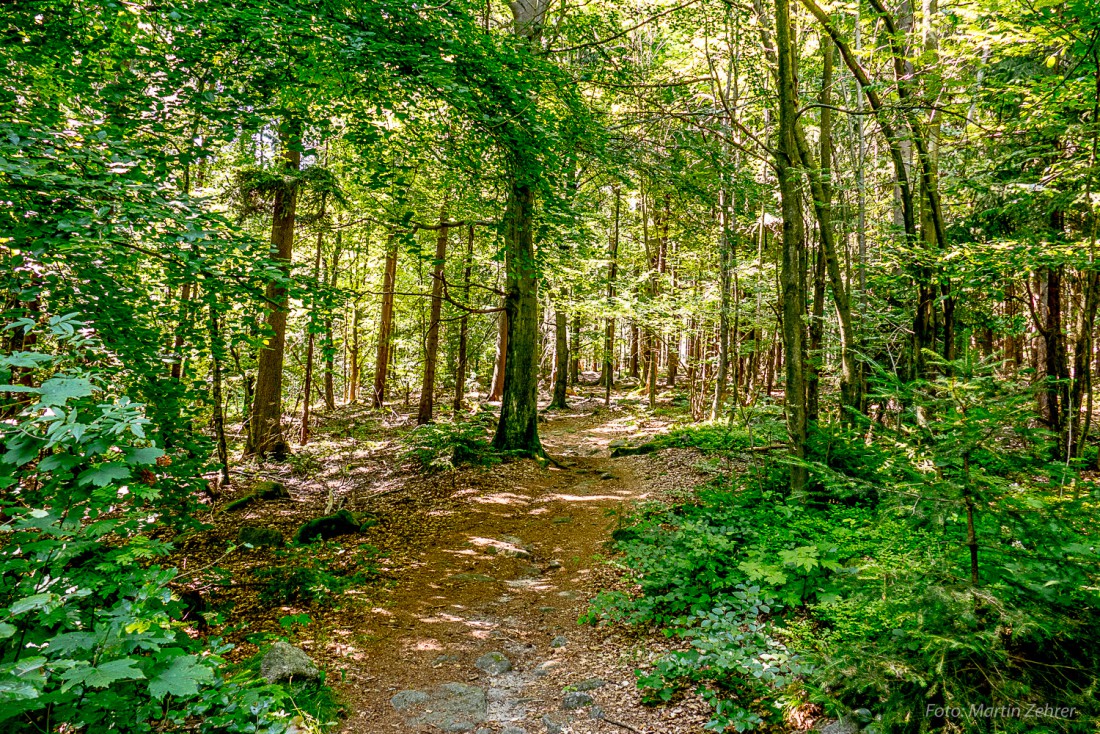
[[308, 575], [446, 445]]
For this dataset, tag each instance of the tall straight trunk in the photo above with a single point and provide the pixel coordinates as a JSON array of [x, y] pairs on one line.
[[575, 351], [816, 337], [607, 378], [330, 345], [431, 342], [266, 436], [652, 250], [354, 364], [385, 325], [792, 275], [634, 350], [517, 430], [217, 349], [725, 246], [462, 368], [1081, 395], [307, 387], [561, 357], [1057, 391], [496, 391]]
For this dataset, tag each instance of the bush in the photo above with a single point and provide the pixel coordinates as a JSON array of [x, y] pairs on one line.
[[860, 595], [90, 634], [445, 445], [306, 575]]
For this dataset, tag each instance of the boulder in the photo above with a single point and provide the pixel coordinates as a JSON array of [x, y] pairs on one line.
[[332, 526], [846, 724], [284, 662]]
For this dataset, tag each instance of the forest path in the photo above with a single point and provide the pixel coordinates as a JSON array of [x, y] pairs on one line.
[[496, 568]]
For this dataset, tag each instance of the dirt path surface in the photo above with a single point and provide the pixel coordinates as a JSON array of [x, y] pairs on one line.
[[487, 571], [480, 633]]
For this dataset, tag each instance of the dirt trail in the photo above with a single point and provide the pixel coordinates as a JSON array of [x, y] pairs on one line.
[[507, 562]]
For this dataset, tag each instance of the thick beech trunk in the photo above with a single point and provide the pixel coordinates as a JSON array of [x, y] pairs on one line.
[[517, 431], [266, 435]]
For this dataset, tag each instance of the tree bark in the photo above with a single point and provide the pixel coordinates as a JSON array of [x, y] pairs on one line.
[[462, 368], [385, 325], [561, 358], [792, 276], [267, 439], [216, 355], [496, 392], [517, 431], [431, 342]]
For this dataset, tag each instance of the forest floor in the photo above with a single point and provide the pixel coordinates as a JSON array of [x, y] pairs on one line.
[[473, 567]]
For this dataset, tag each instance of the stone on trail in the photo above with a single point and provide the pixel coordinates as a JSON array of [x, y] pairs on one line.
[[283, 662], [513, 730], [493, 663], [576, 700], [559, 641], [590, 684], [450, 707], [404, 700]]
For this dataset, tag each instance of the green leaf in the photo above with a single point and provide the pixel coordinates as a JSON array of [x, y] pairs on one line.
[[104, 474], [143, 456], [59, 390], [181, 678], [30, 603], [103, 675]]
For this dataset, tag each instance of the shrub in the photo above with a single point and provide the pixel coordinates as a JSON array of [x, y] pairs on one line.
[[860, 595], [90, 634], [446, 445], [307, 575]]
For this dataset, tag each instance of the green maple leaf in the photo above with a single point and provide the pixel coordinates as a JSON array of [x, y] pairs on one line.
[[181, 678]]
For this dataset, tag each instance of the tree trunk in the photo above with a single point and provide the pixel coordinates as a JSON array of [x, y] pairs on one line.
[[330, 347], [607, 379], [561, 358], [385, 325], [216, 355], [792, 276], [517, 431], [496, 392], [431, 343], [307, 387], [461, 368], [267, 439], [725, 257], [575, 351]]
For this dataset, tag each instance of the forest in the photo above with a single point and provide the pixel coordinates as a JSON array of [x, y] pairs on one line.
[[565, 366]]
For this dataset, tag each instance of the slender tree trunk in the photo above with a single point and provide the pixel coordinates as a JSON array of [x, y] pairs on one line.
[[725, 247], [307, 398], [496, 392], [330, 345], [354, 365], [267, 439], [385, 325], [561, 358], [575, 351], [462, 368], [816, 335], [517, 430], [217, 351], [792, 276], [431, 343], [608, 376]]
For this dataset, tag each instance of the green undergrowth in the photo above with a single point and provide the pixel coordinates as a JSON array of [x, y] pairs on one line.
[[857, 595], [447, 445], [765, 427], [310, 575]]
